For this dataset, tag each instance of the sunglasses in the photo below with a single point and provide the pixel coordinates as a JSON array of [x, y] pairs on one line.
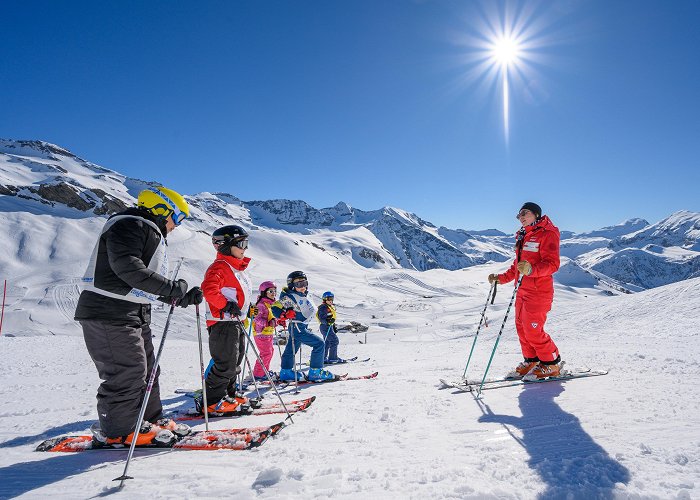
[[522, 213], [328, 299], [273, 290], [300, 284]]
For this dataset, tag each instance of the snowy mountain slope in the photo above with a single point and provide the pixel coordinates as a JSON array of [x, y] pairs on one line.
[[482, 246], [40, 178], [682, 229], [645, 257], [631, 434], [413, 242], [616, 231], [576, 244], [44, 173], [647, 267]]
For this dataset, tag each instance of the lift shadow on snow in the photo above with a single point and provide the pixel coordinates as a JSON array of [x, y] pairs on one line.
[[571, 464]]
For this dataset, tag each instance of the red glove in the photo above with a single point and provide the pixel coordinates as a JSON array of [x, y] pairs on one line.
[[289, 314]]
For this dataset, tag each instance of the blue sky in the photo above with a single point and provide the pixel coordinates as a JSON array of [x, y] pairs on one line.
[[372, 102]]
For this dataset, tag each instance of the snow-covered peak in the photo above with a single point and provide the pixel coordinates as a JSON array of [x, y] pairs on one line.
[[679, 229], [38, 149], [626, 227], [44, 178]]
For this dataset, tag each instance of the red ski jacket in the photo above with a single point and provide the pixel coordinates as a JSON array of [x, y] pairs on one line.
[[539, 245], [224, 279]]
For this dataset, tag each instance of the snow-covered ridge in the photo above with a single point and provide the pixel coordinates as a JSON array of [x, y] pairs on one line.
[[44, 179]]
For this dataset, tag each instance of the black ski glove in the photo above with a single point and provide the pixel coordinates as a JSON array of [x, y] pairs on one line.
[[178, 292], [230, 308], [330, 319], [194, 296], [335, 328]]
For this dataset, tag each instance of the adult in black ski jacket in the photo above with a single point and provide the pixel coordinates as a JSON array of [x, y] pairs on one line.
[[126, 273], [124, 253]]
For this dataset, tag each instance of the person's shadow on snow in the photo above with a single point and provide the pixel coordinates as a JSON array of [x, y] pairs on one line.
[[568, 460], [24, 477]]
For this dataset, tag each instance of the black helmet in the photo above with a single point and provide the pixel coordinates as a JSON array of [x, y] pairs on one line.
[[225, 237], [296, 275]]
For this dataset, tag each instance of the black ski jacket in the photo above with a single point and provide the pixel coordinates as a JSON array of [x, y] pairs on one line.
[[124, 253]]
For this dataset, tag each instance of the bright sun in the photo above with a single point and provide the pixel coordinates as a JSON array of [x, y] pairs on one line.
[[506, 43], [505, 50]]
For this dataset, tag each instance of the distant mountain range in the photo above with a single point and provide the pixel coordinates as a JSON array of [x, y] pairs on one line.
[[44, 179]]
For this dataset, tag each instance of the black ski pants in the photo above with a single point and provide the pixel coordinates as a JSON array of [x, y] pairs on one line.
[[123, 355], [227, 348]]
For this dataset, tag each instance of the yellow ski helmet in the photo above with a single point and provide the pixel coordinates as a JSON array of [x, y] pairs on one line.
[[164, 202]]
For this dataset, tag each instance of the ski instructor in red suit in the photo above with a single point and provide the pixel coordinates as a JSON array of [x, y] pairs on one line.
[[536, 259]]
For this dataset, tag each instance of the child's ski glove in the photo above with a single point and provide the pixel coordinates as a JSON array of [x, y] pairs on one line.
[[230, 308]]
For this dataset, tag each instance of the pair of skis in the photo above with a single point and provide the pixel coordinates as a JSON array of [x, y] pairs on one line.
[[337, 378], [255, 408], [231, 439], [354, 359], [225, 439], [467, 386]]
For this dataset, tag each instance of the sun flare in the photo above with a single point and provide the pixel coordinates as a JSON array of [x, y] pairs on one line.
[[506, 50]]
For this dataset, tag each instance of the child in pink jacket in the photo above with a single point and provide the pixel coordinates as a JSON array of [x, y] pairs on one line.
[[264, 327]]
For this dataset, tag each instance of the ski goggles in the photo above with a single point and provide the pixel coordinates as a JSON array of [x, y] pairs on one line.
[[300, 284], [242, 243], [177, 215]]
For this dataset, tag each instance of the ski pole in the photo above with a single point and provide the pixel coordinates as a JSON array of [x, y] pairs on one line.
[[250, 326], [520, 280], [147, 394], [481, 322], [201, 367], [279, 349], [149, 386], [255, 382], [294, 350], [328, 332], [2, 314], [247, 361], [267, 374]]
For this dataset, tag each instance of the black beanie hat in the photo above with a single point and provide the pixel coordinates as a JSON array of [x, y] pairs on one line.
[[532, 207]]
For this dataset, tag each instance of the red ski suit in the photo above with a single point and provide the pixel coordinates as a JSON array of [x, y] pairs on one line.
[[539, 245], [219, 278]]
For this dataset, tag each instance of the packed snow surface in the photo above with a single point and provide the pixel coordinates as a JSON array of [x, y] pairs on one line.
[[634, 433]]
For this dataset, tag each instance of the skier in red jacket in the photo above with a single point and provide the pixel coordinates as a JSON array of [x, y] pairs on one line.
[[536, 259], [227, 291]]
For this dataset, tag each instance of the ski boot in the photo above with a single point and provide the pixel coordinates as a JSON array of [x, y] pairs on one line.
[[150, 434], [180, 430], [289, 375], [334, 361], [542, 371], [319, 375], [229, 405], [525, 367]]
